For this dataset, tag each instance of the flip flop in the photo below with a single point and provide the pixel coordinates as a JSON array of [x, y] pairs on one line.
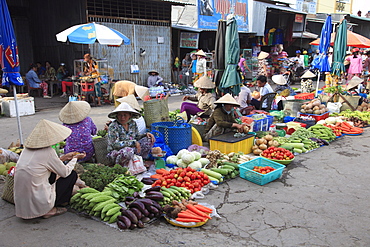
[[58, 211]]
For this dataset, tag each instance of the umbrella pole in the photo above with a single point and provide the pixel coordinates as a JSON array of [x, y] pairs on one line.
[[18, 117], [317, 84]]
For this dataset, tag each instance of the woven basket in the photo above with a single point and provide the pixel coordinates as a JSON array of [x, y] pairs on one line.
[[8, 192], [176, 134], [100, 147]]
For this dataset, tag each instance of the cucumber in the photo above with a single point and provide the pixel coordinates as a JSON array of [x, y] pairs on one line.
[[211, 173], [297, 150], [213, 179], [235, 165], [228, 167], [221, 171]]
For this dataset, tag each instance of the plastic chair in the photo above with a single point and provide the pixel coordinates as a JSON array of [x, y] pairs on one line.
[[88, 90], [269, 99]]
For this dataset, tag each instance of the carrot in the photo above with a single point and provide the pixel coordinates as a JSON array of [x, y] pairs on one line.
[[337, 124], [162, 171], [346, 124], [185, 214], [192, 213], [198, 212], [187, 220], [158, 176], [203, 208]]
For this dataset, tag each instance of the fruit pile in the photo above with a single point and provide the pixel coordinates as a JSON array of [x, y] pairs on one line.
[[277, 154], [181, 177], [263, 169]]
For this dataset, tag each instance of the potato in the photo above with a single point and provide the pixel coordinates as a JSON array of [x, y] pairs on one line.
[[263, 146], [268, 137]]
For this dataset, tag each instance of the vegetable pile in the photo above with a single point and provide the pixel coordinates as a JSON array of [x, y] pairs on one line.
[[348, 129], [123, 186], [187, 211], [275, 153], [98, 176], [184, 159], [264, 143], [263, 169], [314, 107], [322, 132]]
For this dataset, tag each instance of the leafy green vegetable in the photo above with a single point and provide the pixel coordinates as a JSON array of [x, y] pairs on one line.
[[124, 186], [98, 176]]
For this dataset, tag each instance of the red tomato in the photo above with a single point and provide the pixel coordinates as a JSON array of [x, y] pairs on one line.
[[178, 184]]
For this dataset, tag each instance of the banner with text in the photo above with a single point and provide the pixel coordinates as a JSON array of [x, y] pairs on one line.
[[210, 11], [189, 40]]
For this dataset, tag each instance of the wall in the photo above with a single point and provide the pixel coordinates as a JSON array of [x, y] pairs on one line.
[[330, 6], [157, 56]]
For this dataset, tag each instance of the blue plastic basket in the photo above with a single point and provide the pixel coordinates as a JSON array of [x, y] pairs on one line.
[[246, 171], [176, 134], [262, 124]]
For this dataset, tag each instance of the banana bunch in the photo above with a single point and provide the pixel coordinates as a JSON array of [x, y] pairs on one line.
[[16, 150], [96, 203]]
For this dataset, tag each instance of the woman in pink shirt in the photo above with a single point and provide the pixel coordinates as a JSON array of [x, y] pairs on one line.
[[355, 66]]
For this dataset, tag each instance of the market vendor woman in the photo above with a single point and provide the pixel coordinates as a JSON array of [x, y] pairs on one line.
[[222, 119], [42, 182], [205, 99], [124, 140]]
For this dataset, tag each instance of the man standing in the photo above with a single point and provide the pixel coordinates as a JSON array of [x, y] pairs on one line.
[[34, 81]]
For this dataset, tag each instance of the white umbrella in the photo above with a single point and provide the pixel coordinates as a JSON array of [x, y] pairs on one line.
[[89, 33]]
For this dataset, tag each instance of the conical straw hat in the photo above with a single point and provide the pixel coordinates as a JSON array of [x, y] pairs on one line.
[[3, 91], [131, 100], [46, 133], [200, 53], [279, 79], [124, 107], [308, 74], [74, 112], [262, 55], [227, 99], [204, 82], [354, 82], [141, 91]]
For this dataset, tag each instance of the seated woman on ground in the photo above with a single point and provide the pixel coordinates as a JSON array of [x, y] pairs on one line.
[[205, 99], [222, 119], [124, 140], [42, 182]]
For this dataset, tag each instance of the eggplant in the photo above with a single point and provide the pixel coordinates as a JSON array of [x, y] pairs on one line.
[[129, 214], [133, 226], [140, 206], [151, 216], [136, 194], [124, 219], [153, 193], [145, 219], [130, 198], [121, 225], [147, 181], [155, 197], [325, 142], [156, 204], [140, 224], [153, 209], [155, 188], [146, 202], [137, 213]]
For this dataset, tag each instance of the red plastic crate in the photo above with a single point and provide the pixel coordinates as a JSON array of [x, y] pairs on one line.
[[304, 96], [316, 117]]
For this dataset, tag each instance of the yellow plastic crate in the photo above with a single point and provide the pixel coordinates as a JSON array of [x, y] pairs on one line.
[[227, 143]]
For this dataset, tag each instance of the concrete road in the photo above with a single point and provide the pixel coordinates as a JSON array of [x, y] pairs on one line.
[[321, 200]]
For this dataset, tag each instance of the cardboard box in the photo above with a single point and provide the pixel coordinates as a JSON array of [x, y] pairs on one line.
[[26, 106]]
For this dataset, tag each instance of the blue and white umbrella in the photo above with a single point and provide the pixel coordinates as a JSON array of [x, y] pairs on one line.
[[90, 33]]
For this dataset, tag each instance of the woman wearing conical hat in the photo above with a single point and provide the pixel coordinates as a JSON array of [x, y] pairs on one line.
[[205, 99], [201, 65], [222, 119], [42, 182], [74, 115]]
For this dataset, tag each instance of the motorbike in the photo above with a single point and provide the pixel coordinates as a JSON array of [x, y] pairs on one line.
[[293, 73]]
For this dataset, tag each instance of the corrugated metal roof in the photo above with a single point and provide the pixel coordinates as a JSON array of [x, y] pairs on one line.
[[178, 2], [198, 30], [305, 35]]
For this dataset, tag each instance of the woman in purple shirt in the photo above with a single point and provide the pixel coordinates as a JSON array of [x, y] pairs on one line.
[[74, 116]]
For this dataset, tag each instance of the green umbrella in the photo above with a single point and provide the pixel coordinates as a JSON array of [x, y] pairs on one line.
[[231, 80], [339, 51]]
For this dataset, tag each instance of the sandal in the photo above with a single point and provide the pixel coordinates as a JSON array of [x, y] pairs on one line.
[[58, 211]]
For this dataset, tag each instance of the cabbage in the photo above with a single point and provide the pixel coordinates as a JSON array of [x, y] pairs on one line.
[[197, 155], [196, 165], [181, 152], [331, 120], [171, 159], [204, 161], [187, 158], [181, 164]]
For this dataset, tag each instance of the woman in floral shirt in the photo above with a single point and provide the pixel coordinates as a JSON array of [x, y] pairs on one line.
[[124, 139], [74, 116]]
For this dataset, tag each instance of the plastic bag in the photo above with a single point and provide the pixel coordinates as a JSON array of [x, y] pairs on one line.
[[160, 142], [334, 107], [136, 165]]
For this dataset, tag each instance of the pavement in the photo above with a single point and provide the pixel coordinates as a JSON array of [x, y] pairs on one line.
[[320, 200]]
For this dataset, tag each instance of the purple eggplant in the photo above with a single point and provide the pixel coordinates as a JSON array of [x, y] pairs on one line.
[[140, 224], [129, 214], [137, 212], [121, 225], [124, 219], [155, 188]]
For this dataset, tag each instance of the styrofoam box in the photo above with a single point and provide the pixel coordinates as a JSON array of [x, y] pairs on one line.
[[25, 107]]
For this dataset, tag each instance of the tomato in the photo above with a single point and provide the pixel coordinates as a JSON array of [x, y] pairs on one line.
[[178, 184], [174, 180], [187, 179], [182, 174], [173, 171], [180, 179], [205, 176], [171, 184], [164, 183], [193, 177]]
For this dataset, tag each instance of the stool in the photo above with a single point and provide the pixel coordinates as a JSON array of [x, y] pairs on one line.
[[87, 90]]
